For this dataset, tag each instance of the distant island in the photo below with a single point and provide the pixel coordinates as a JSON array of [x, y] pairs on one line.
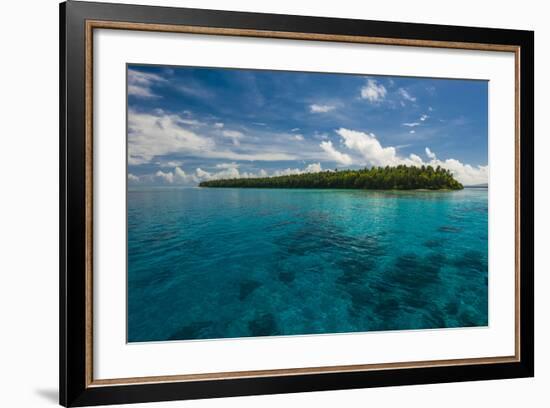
[[376, 178]]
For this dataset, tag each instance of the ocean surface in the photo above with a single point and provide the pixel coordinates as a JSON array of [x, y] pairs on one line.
[[207, 263]]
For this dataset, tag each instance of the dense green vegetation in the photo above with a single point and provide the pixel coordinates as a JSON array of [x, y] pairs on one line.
[[382, 178]]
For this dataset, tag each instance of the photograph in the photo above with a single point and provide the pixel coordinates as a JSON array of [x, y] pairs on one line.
[[286, 203], [257, 202]]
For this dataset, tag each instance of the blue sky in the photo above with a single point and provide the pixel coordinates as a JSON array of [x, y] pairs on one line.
[[188, 124]]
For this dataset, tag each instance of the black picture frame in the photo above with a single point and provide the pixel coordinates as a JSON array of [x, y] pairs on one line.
[[75, 389]]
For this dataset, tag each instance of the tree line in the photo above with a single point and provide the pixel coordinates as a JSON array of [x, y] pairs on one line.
[[377, 178]]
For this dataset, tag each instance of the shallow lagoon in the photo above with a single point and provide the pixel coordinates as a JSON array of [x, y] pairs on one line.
[[217, 263]]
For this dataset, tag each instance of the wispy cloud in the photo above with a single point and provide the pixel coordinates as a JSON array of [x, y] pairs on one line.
[[170, 163], [315, 108], [195, 90], [157, 134], [140, 83], [232, 165], [234, 135], [152, 135], [406, 95], [373, 91]]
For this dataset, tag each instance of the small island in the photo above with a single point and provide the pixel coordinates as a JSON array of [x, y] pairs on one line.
[[375, 178]]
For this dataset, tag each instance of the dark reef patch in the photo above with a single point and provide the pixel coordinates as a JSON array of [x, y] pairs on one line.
[[467, 320], [414, 277], [195, 330], [473, 260], [433, 243], [246, 288], [434, 319], [355, 270], [414, 273], [449, 228], [287, 276], [451, 308], [263, 325], [361, 298], [387, 309]]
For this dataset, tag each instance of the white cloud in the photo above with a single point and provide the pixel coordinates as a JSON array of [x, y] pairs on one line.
[[286, 172], [412, 132], [140, 83], [195, 90], [177, 176], [234, 135], [320, 108], [152, 135], [406, 95], [465, 173], [203, 174], [227, 165], [181, 177], [416, 159], [334, 154], [218, 125], [369, 147], [373, 153], [373, 91], [228, 173], [171, 163], [190, 122], [157, 133], [294, 129], [320, 136], [252, 156], [429, 153], [313, 168], [414, 124], [298, 137], [165, 177], [232, 173]]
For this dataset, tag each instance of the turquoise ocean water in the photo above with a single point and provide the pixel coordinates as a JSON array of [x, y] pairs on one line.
[[220, 263]]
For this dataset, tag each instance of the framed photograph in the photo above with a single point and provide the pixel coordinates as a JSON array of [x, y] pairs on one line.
[[256, 204]]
